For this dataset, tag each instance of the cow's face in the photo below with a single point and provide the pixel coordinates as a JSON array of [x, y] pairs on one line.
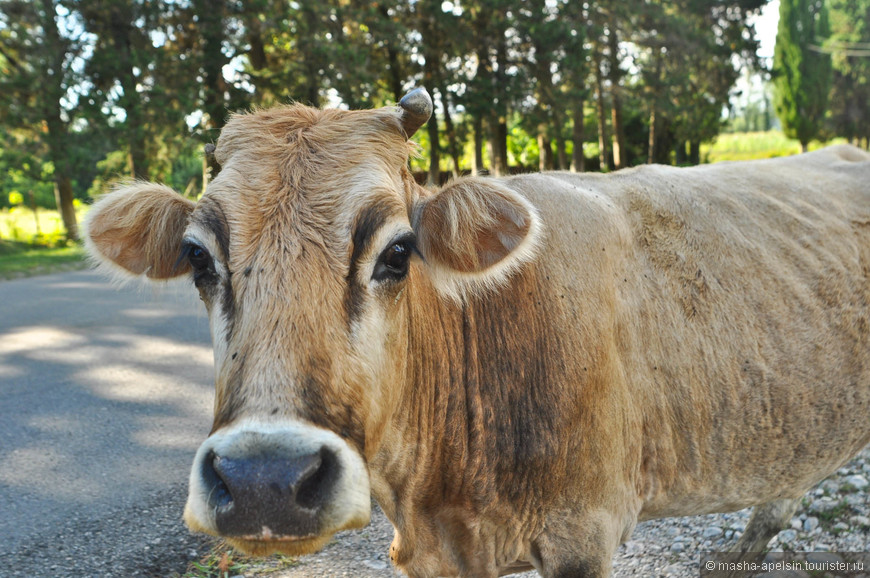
[[305, 250]]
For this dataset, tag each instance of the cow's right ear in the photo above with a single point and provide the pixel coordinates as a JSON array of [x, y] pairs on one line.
[[139, 229], [473, 234]]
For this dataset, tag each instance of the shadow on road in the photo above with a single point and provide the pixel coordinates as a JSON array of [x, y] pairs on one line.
[[105, 394]]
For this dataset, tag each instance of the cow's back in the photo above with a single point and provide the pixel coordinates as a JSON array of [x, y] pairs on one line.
[[736, 297]]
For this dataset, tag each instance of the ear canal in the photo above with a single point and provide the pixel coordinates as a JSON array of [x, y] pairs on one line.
[[416, 109]]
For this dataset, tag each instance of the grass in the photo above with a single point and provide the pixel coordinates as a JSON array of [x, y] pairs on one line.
[[222, 562], [25, 260], [26, 251], [755, 145]]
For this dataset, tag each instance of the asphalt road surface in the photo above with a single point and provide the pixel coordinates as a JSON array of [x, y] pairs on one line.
[[105, 394]]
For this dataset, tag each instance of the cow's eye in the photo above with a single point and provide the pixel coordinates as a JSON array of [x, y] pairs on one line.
[[200, 261], [198, 257], [393, 262]]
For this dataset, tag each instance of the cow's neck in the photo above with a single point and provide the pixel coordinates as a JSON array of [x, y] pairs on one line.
[[478, 416], [485, 425]]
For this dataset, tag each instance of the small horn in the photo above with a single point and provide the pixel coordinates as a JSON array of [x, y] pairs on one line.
[[416, 109]]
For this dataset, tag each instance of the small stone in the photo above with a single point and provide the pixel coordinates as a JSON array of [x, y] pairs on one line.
[[858, 481], [811, 523], [861, 521], [841, 526], [633, 547], [375, 564], [823, 505], [787, 536], [712, 532], [797, 523], [855, 500], [677, 547]]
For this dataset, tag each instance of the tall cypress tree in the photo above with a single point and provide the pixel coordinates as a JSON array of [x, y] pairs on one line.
[[802, 73]]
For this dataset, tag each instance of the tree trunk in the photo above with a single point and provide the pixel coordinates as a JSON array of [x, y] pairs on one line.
[[561, 149], [211, 28], [257, 50], [130, 101], [545, 157], [578, 160], [63, 196], [620, 154], [477, 158], [434, 178], [651, 142], [501, 138], [804, 146], [602, 120], [494, 145], [681, 153], [499, 127], [695, 152], [57, 136], [452, 145], [306, 45]]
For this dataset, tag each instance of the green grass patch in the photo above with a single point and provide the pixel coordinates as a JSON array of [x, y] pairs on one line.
[[36, 243], [742, 146], [44, 227], [25, 260]]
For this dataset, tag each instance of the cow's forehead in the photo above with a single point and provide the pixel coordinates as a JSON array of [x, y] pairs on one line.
[[295, 175], [295, 142]]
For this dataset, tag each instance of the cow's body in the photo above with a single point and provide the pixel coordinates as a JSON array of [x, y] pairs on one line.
[[598, 350], [686, 342]]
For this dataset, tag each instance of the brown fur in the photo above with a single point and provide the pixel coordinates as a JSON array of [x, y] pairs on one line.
[[572, 354], [139, 228]]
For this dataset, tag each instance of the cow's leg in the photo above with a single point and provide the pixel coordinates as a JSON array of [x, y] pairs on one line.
[[766, 522]]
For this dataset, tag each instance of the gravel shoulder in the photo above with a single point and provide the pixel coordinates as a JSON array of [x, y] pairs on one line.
[[835, 517], [145, 539]]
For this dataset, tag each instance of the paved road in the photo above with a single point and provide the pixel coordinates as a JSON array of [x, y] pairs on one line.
[[105, 394]]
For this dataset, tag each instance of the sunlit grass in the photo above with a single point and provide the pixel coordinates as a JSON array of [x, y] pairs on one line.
[[755, 145], [26, 249]]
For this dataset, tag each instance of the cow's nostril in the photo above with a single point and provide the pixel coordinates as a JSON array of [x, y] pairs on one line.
[[313, 490], [219, 496]]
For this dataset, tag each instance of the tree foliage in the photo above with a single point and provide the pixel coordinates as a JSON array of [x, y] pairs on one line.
[[802, 71], [849, 46], [135, 88]]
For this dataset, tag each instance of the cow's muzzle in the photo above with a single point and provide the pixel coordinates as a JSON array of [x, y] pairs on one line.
[[277, 488]]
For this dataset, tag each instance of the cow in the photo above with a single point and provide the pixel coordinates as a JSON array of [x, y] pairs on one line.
[[518, 370]]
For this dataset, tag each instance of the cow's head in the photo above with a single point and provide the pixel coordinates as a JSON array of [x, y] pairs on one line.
[[305, 250]]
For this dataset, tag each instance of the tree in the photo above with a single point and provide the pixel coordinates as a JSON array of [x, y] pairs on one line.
[[850, 92], [37, 81], [123, 58], [802, 73]]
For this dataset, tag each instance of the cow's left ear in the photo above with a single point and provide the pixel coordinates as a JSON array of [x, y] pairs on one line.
[[473, 234], [138, 230]]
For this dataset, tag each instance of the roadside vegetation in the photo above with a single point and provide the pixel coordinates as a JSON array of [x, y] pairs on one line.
[[744, 146], [224, 562], [36, 243]]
